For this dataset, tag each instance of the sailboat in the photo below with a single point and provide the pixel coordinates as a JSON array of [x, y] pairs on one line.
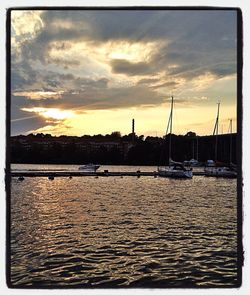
[[193, 162], [231, 164], [174, 169], [213, 168]]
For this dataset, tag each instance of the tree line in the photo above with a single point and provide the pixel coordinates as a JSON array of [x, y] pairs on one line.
[[129, 151]]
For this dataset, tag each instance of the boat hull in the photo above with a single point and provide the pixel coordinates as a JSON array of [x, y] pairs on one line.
[[220, 172], [89, 168], [172, 173]]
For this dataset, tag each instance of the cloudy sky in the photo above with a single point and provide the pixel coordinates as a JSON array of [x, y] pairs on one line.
[[90, 72]]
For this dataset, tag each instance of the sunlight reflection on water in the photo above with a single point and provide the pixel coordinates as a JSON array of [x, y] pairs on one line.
[[97, 232]]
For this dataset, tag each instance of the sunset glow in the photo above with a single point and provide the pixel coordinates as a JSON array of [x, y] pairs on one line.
[[90, 72], [51, 113]]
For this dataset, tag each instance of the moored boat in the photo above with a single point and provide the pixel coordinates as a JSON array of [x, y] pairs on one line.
[[218, 171], [174, 169], [89, 167], [192, 163], [215, 168]]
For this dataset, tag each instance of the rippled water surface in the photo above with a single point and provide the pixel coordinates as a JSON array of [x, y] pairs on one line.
[[123, 232]]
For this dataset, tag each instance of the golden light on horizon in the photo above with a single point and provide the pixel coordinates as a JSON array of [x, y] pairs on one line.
[[106, 121], [51, 113]]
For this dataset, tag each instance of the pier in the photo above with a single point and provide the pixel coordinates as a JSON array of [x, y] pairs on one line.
[[98, 173]]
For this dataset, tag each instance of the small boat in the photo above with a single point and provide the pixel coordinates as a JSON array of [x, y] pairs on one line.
[[89, 167], [174, 169], [215, 168], [192, 163], [210, 163], [220, 171], [233, 167]]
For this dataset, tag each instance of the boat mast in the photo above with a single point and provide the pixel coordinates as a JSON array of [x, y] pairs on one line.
[[230, 151], [216, 127], [193, 148], [197, 148], [171, 126]]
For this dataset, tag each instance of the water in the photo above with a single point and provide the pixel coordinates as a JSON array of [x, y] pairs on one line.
[[123, 232]]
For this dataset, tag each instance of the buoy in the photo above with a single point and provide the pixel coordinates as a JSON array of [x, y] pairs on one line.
[[70, 177], [20, 178]]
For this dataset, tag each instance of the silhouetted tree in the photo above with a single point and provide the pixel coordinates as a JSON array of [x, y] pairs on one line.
[[151, 151]]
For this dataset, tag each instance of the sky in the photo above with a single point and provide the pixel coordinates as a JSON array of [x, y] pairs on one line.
[[76, 72]]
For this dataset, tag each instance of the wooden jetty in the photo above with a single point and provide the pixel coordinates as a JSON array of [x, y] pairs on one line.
[[80, 173]]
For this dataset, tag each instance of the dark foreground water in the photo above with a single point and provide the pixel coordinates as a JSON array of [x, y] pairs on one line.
[[123, 232]]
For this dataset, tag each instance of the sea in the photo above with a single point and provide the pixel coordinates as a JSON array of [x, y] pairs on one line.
[[120, 232]]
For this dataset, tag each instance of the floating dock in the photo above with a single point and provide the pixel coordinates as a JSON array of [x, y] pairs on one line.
[[98, 173]]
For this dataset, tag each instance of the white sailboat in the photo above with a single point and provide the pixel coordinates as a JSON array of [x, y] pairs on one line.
[[231, 164], [193, 162], [174, 169], [219, 169]]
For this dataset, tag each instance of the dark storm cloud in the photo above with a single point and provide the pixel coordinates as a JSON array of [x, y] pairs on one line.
[[191, 70], [122, 66], [22, 75], [99, 25], [22, 121], [64, 62], [95, 98], [27, 122], [124, 97]]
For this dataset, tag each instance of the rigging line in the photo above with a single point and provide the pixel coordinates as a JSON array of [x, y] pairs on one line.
[[217, 129], [230, 147], [171, 127], [168, 124], [178, 126], [165, 139], [216, 121], [229, 126], [215, 126]]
